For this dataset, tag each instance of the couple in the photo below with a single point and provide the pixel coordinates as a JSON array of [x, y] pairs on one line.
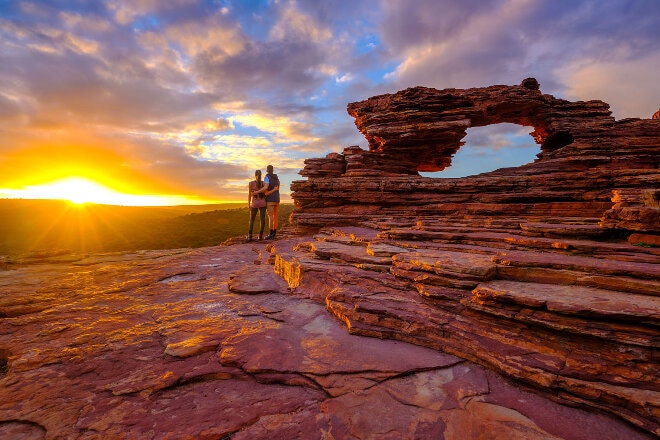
[[261, 196]]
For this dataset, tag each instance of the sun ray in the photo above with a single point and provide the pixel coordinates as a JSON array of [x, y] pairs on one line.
[[45, 240]]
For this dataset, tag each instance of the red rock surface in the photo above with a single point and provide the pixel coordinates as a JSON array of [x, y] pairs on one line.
[[157, 345], [546, 273]]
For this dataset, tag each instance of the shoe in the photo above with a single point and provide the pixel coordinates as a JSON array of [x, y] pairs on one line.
[[249, 238], [269, 237], [261, 237]]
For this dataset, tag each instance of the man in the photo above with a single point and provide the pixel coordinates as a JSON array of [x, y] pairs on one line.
[[272, 185]]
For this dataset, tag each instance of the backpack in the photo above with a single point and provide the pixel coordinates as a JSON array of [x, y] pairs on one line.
[[273, 181]]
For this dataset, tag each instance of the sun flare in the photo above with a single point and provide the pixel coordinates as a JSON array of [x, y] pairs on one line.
[[79, 190]]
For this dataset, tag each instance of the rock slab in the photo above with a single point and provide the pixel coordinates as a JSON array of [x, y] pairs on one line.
[[155, 345]]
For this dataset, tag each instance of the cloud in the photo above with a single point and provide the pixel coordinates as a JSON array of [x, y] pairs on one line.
[[295, 24], [502, 42], [499, 137], [627, 84], [193, 95], [471, 46]]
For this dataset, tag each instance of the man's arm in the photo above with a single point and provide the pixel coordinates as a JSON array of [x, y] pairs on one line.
[[277, 188]]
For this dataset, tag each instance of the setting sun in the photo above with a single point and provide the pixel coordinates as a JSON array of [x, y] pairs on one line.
[[80, 190]]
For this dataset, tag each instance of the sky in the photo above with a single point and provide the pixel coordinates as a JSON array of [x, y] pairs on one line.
[[179, 101]]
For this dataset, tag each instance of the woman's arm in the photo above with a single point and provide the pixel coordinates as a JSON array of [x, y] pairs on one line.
[[264, 188]]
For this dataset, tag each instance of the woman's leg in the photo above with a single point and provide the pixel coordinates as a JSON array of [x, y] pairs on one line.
[[253, 214], [262, 222]]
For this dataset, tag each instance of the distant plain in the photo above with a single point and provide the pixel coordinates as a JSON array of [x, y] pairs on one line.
[[52, 227]]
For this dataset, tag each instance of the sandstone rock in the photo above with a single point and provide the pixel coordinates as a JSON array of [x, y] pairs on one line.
[[254, 279], [115, 352], [644, 239], [523, 270], [419, 129], [573, 300]]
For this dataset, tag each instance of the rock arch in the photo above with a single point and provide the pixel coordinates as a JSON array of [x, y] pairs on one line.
[[584, 156], [423, 127]]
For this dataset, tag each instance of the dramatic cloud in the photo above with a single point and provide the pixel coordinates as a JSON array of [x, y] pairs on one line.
[[188, 97]]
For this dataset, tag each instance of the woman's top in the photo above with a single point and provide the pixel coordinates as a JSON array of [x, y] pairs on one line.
[[258, 200]]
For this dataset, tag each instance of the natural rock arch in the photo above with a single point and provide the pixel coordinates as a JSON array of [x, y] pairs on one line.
[[584, 156], [421, 128]]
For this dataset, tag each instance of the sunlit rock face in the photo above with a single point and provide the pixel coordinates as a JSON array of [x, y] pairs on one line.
[[547, 273]]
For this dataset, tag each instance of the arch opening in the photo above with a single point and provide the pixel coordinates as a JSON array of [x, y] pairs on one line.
[[491, 147]]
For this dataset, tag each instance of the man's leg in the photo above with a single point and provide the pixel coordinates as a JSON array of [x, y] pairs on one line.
[[276, 217], [270, 207]]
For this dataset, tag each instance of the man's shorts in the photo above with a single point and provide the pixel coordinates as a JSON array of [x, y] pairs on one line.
[[270, 206]]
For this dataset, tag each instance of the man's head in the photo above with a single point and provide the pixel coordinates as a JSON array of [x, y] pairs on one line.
[[269, 169]]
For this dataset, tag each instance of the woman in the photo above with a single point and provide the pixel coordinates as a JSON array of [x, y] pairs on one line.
[[256, 202]]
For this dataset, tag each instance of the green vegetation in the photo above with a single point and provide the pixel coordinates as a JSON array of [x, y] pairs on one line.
[[642, 244], [58, 227]]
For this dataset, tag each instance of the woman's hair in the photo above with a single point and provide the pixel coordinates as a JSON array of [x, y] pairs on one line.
[[257, 174]]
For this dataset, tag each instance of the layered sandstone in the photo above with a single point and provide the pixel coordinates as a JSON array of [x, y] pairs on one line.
[[546, 273], [211, 344], [584, 156]]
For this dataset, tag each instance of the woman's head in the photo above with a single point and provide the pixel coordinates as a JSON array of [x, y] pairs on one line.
[[257, 174]]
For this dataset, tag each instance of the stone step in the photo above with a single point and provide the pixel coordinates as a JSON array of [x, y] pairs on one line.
[[548, 274], [459, 270], [507, 223], [461, 266], [587, 265], [572, 300], [349, 254], [353, 234], [564, 230], [577, 278], [509, 240]]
